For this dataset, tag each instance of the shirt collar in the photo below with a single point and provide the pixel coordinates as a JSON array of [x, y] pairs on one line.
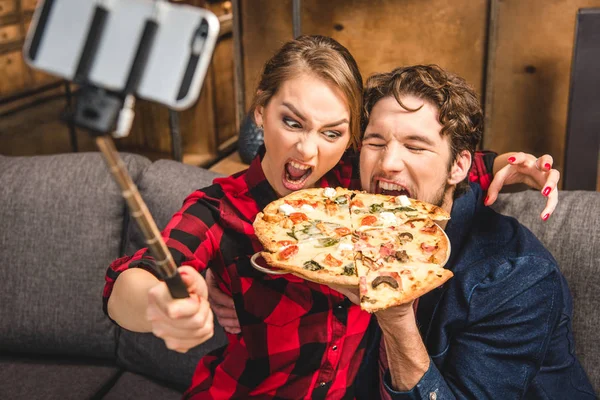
[[461, 220]]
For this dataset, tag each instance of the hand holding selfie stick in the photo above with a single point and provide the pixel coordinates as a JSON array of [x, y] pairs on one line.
[[89, 43]]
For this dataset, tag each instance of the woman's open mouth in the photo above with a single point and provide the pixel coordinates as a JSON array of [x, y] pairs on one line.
[[295, 175]]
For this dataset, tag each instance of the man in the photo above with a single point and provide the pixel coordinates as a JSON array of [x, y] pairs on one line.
[[501, 327]]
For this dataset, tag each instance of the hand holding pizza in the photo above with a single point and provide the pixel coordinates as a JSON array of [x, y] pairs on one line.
[[526, 168], [181, 323]]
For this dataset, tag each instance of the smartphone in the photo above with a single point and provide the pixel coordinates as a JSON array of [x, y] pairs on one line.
[[156, 50]]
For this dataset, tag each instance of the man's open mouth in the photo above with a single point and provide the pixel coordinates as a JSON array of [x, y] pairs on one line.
[[295, 175], [390, 189]]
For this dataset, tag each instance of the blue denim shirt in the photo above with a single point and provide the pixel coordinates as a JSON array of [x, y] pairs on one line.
[[501, 327]]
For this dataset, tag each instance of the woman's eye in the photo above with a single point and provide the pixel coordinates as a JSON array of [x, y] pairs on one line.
[[291, 123], [332, 134]]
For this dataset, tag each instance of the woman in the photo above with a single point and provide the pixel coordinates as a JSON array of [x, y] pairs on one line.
[[297, 338]]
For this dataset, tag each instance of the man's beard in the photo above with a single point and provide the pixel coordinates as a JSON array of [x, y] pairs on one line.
[[440, 195]]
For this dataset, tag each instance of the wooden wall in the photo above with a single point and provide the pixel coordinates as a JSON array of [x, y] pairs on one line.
[[522, 72]]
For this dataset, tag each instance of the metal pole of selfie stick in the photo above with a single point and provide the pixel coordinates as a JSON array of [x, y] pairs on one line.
[[97, 110]]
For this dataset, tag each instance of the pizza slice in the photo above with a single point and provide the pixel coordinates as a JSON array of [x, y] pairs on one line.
[[328, 260], [382, 211], [388, 284]]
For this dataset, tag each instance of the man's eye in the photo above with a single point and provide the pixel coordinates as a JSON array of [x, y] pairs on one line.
[[291, 123], [376, 145], [415, 149], [332, 134]]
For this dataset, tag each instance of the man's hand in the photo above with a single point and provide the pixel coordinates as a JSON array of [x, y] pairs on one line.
[[511, 168], [222, 305], [181, 323]]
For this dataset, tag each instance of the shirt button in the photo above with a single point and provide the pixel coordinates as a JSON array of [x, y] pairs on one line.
[[432, 396], [340, 307], [334, 347], [322, 384]]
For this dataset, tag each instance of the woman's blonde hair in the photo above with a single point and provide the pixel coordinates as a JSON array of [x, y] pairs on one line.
[[323, 57]]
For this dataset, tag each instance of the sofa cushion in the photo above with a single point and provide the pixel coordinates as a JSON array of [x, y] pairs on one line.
[[136, 387], [51, 378], [163, 186], [572, 236], [62, 224]]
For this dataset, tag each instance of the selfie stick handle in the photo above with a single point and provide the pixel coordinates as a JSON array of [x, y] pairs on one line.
[[97, 111]]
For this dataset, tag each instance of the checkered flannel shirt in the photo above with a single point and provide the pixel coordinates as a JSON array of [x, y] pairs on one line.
[[298, 339]]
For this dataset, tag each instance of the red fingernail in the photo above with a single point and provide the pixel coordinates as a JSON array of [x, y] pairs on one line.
[[547, 191], [511, 159], [547, 166], [486, 200], [545, 217]]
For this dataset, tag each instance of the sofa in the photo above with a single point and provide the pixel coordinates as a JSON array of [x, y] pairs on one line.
[[63, 221]]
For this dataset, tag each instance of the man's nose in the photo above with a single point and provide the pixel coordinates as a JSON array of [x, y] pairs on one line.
[[392, 160], [307, 146]]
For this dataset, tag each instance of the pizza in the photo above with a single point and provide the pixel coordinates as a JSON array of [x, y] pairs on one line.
[[388, 246]]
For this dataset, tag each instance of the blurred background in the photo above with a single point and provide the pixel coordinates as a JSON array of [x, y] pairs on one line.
[[533, 63]]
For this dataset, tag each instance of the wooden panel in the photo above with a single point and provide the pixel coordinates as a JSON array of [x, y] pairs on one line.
[[13, 73], [28, 5], [265, 28], [10, 33], [381, 35], [530, 64], [7, 7]]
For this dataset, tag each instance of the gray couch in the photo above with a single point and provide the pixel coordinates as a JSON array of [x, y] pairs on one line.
[[63, 221]]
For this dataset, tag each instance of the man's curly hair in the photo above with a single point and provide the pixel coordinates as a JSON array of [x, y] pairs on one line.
[[459, 108]]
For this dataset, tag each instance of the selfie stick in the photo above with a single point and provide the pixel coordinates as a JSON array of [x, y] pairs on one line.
[[97, 111]]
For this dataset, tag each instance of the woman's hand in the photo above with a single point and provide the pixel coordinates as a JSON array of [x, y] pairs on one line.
[[181, 323], [222, 306], [511, 168]]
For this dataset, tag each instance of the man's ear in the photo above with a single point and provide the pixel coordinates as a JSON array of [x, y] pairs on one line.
[[460, 168], [258, 115]]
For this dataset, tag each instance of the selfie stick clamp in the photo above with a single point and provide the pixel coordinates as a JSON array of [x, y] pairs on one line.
[[102, 112]]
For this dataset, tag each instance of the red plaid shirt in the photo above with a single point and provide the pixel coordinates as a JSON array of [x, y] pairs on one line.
[[299, 339]]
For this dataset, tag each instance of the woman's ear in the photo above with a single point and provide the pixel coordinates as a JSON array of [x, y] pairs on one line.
[[258, 116], [460, 168]]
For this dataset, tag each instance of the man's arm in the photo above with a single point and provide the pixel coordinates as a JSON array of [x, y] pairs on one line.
[[495, 355]]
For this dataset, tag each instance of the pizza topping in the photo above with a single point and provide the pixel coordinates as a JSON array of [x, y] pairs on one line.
[[375, 207], [329, 192], [402, 256], [312, 265], [284, 243], [331, 207], [343, 231], [357, 203], [368, 220], [299, 203], [403, 201], [405, 237], [428, 248], [429, 228], [341, 200], [298, 217], [388, 280], [327, 242], [349, 270], [286, 209], [332, 261], [388, 218], [307, 208], [386, 250], [288, 252], [345, 246]]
